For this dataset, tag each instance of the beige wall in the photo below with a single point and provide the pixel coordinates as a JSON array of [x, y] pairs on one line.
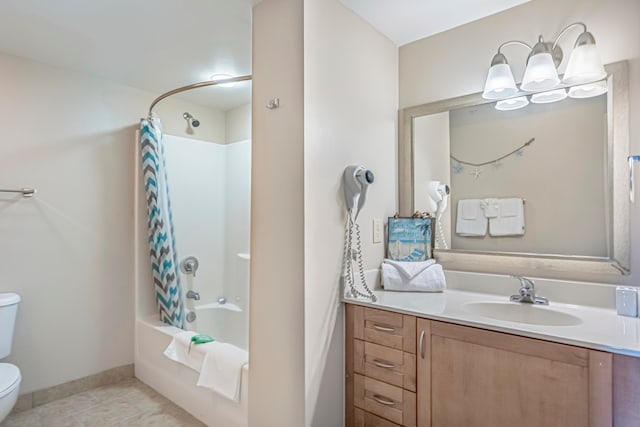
[[276, 336], [69, 251], [561, 174], [238, 124], [455, 62], [350, 118]]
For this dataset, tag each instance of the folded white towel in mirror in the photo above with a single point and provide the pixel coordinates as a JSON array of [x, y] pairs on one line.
[[219, 364], [422, 276], [491, 207], [510, 221], [470, 220]]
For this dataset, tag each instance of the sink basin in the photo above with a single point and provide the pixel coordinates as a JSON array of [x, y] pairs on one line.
[[522, 313]]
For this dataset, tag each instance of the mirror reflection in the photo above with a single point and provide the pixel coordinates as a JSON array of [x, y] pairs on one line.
[[543, 186], [516, 184]]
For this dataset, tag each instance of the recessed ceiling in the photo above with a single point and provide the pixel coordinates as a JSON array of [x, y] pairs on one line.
[[154, 45], [405, 21]]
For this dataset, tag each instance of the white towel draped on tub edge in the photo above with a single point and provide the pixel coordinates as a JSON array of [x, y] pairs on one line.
[[219, 364]]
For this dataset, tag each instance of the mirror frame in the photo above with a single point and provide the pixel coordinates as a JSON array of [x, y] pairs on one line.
[[552, 266]]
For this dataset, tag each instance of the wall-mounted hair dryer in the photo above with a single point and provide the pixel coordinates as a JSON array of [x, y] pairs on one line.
[[438, 198], [356, 182]]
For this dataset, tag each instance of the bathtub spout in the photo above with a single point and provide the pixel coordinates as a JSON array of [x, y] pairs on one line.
[[193, 295]]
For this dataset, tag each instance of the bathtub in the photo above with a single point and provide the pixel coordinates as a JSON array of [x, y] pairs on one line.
[[178, 382]]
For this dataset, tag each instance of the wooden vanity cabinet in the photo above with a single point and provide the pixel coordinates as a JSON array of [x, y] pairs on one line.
[[464, 376], [473, 377], [380, 368]]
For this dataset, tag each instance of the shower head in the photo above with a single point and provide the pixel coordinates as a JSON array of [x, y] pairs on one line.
[[190, 119]]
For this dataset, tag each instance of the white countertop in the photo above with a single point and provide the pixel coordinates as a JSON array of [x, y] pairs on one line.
[[601, 328]]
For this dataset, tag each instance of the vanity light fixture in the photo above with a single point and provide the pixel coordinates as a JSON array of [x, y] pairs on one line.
[[512, 103], [541, 72], [588, 90], [549, 97]]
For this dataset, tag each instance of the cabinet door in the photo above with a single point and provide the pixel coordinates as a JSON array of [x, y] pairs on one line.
[[481, 378]]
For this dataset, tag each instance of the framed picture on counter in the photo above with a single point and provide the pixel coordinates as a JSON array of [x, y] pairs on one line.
[[410, 239]]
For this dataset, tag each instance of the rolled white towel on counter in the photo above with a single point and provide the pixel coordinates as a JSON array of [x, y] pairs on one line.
[[424, 276]]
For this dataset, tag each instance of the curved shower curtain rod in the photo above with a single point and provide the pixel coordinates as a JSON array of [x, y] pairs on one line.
[[196, 86]]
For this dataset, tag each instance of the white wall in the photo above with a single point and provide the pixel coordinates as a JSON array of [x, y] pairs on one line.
[[276, 342], [69, 251], [455, 62], [210, 187], [350, 118], [197, 183], [237, 207], [238, 124]]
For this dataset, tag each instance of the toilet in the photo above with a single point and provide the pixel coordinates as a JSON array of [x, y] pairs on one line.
[[9, 374]]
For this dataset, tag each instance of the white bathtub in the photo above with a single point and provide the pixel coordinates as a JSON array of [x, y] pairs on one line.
[[178, 383], [224, 322]]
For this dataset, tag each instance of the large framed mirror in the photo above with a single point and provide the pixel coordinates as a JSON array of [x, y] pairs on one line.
[[564, 162]]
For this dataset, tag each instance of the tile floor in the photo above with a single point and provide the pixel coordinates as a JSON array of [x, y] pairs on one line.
[[127, 403]]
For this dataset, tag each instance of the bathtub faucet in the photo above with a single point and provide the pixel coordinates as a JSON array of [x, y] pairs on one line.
[[193, 295], [190, 265]]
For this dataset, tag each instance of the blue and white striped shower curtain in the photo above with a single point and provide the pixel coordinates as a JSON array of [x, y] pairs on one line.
[[164, 258]]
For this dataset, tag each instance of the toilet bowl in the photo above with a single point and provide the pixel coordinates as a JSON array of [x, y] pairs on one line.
[[9, 388]]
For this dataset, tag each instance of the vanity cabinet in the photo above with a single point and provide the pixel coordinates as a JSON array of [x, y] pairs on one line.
[[381, 368], [469, 376], [407, 371]]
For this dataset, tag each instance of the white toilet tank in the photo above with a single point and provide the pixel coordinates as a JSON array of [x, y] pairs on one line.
[[8, 308]]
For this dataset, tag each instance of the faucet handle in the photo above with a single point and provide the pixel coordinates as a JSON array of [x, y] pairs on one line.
[[525, 282], [189, 265]]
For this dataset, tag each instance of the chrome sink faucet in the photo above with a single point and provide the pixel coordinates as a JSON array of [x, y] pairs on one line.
[[527, 292]]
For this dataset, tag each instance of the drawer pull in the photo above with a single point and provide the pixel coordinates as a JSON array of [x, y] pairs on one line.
[[421, 345], [383, 400], [383, 364], [383, 328]]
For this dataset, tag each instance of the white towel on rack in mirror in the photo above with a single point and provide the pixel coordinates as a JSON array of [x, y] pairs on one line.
[[470, 220], [510, 220], [491, 207]]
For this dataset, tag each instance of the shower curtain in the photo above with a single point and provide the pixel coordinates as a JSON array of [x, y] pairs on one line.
[[164, 261]]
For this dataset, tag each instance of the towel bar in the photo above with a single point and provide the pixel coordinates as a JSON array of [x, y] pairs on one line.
[[632, 190], [26, 192]]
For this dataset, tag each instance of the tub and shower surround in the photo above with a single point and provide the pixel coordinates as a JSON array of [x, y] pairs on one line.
[[210, 189], [162, 248]]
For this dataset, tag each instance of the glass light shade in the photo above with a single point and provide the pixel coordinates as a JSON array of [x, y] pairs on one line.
[[512, 104], [589, 90], [548, 97], [584, 65], [540, 73], [500, 83]]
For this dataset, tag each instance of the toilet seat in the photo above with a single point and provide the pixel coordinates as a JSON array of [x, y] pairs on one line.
[[9, 378]]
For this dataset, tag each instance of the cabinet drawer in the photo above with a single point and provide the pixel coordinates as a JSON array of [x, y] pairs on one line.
[[386, 364], [386, 328], [384, 400], [367, 419]]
